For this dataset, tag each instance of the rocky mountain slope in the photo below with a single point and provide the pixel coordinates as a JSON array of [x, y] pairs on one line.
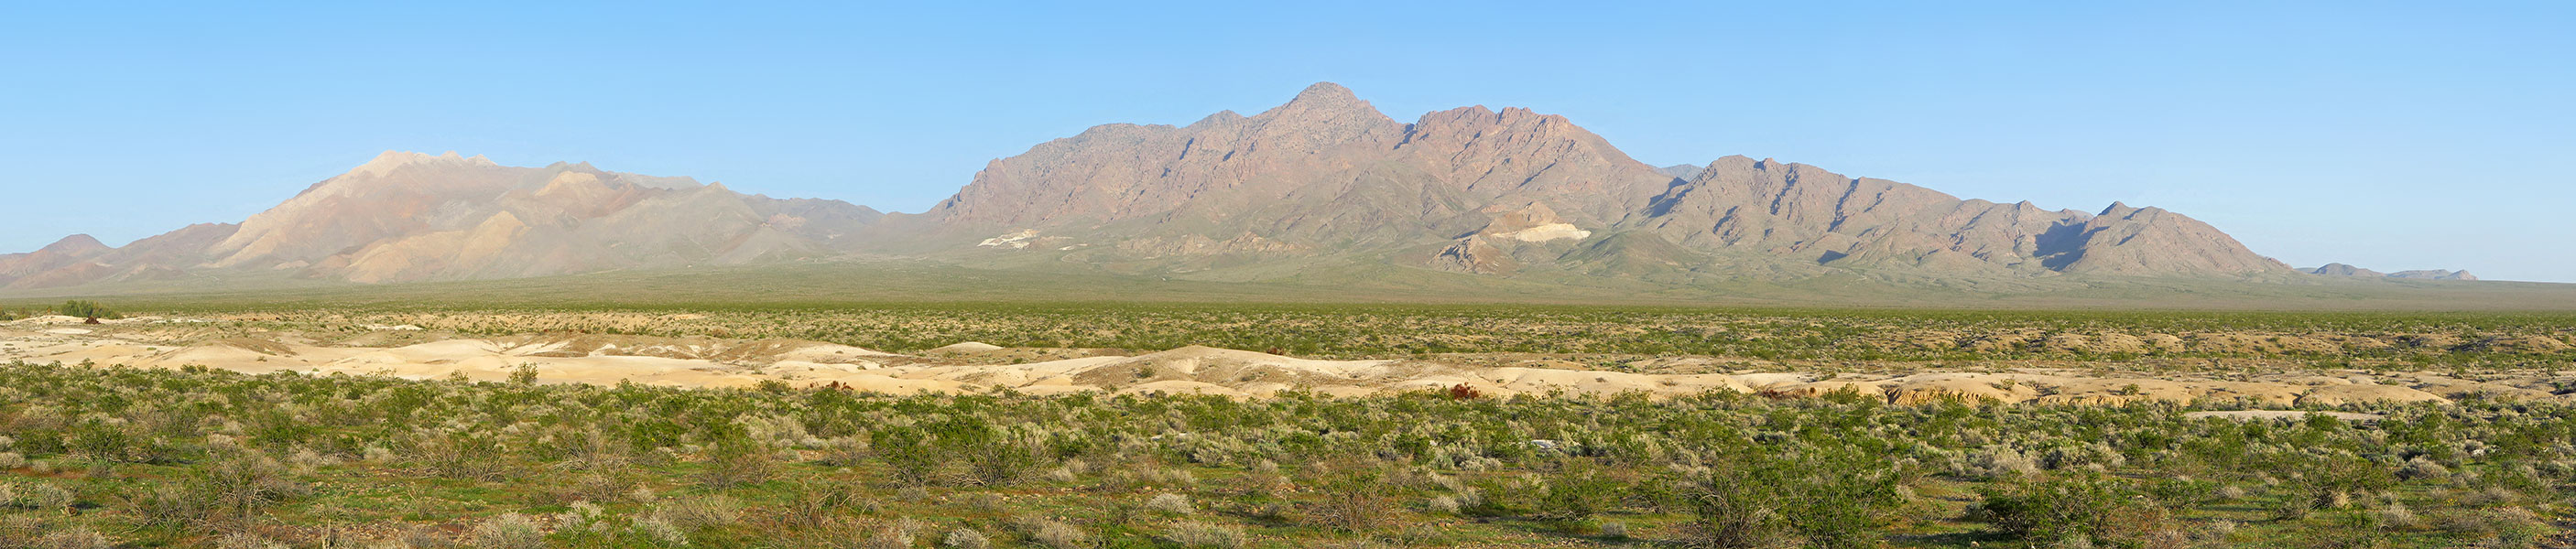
[[1476, 190], [409, 216], [1322, 182]]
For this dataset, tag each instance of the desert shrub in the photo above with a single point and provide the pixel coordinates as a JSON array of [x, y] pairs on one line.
[[2293, 507], [523, 375], [986, 501], [100, 440], [1050, 533], [86, 309], [811, 504], [1576, 491], [508, 531], [2418, 468], [247, 540], [597, 487], [2182, 491], [2067, 508], [20, 530], [167, 506], [75, 537], [2396, 516], [1170, 503], [736, 461], [845, 452], [1755, 499], [965, 538], [992, 455], [2504, 527], [582, 523], [910, 453], [1200, 535], [701, 512], [657, 531], [463, 456], [1350, 496], [45, 497], [246, 483], [1444, 504], [1999, 462]]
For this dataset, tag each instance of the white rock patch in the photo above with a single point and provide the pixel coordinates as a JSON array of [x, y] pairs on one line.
[[1543, 233]]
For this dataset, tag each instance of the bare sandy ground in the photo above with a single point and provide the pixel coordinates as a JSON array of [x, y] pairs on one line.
[[976, 367]]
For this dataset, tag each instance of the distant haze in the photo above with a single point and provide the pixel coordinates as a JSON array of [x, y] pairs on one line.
[[2391, 138]]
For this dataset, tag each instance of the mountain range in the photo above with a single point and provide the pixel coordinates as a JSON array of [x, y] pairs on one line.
[[2342, 269], [1323, 182]]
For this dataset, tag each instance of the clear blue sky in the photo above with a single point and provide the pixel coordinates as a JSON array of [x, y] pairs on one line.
[[2388, 135]]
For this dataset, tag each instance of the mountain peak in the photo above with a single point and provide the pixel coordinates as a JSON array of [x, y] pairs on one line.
[[390, 160], [75, 244], [1326, 91], [1325, 100]]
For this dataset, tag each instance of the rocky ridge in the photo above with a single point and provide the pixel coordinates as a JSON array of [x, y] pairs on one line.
[[1324, 179], [2342, 269]]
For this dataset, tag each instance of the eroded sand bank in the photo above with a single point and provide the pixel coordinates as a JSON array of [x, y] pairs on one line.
[[968, 366]]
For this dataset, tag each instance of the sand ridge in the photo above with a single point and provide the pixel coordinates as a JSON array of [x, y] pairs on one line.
[[974, 367]]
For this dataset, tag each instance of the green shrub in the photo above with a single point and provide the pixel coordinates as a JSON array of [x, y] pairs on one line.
[[2087, 508], [91, 310], [1577, 491], [1757, 499]]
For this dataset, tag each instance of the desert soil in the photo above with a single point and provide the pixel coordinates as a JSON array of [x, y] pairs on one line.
[[408, 352]]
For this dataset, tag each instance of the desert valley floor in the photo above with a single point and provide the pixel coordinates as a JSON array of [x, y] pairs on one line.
[[411, 352], [1229, 426]]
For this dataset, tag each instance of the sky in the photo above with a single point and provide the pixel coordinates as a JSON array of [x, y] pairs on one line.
[[2398, 135]]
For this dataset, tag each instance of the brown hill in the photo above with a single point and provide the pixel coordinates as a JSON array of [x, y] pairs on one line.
[[410, 216]]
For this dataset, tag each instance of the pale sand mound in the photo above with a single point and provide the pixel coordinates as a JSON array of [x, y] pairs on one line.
[[1930, 388], [1821, 388], [2128, 389], [2332, 395], [1768, 381], [2455, 389], [967, 347], [708, 362], [1209, 364], [1540, 381], [1178, 387]]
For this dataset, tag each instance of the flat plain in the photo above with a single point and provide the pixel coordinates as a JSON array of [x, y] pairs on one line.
[[195, 421]]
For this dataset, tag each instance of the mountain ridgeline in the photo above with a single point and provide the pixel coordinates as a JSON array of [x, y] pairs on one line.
[[1324, 182]]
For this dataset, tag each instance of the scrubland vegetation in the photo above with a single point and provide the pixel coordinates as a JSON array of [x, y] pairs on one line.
[[100, 456], [1387, 331], [75, 308], [201, 458]]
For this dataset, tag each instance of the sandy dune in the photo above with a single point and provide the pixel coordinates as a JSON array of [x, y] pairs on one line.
[[971, 367]]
